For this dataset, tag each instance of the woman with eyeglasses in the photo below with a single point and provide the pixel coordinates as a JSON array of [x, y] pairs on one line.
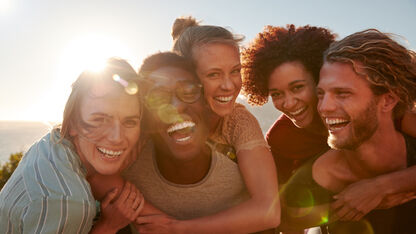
[[196, 187], [214, 52], [49, 191]]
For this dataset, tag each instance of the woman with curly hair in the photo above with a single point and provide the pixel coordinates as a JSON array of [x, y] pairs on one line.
[[284, 62]]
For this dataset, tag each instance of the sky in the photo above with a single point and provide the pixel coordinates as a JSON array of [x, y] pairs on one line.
[[45, 44]]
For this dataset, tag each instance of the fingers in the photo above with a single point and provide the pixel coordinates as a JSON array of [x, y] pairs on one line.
[[109, 197], [140, 208]]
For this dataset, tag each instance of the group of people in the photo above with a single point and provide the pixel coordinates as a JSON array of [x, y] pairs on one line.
[[167, 149]]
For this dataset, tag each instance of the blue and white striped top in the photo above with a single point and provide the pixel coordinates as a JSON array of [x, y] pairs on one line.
[[48, 192]]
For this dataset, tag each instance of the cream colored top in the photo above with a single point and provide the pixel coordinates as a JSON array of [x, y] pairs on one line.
[[239, 129], [222, 187]]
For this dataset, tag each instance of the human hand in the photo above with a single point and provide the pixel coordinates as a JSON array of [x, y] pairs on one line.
[[119, 211], [356, 200], [396, 199], [159, 223]]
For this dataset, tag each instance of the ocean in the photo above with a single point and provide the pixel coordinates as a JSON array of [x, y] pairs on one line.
[[18, 136]]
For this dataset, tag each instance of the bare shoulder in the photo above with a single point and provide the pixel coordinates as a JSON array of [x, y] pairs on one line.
[[408, 123], [329, 170]]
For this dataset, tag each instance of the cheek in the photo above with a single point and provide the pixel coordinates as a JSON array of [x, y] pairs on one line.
[[209, 88], [278, 104]]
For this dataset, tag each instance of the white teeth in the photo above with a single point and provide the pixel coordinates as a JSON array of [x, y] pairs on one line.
[[298, 111], [335, 121], [224, 99], [183, 139], [180, 126], [110, 153]]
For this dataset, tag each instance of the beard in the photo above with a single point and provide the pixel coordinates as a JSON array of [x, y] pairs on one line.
[[363, 128]]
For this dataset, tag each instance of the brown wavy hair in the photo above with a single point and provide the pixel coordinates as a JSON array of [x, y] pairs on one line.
[[388, 66], [82, 87], [277, 45]]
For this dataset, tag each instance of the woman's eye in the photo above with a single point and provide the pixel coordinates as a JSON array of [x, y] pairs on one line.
[[298, 88], [131, 123], [275, 95], [236, 71], [213, 75]]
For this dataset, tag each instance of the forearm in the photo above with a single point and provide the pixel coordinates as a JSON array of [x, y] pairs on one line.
[[247, 217], [397, 182], [260, 212]]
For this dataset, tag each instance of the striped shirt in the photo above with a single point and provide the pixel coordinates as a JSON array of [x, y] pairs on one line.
[[48, 191]]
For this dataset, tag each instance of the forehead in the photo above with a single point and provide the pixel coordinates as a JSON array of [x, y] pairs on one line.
[[341, 75], [287, 73], [168, 76], [109, 98], [216, 52]]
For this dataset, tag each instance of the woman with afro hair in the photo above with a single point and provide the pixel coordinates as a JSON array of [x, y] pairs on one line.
[[284, 62]]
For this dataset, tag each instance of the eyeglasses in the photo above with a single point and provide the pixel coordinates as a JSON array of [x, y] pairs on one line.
[[187, 91]]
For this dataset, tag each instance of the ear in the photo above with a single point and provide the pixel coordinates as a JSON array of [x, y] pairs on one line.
[[388, 101]]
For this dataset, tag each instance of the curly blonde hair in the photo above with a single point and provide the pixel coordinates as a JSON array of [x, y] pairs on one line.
[[388, 66]]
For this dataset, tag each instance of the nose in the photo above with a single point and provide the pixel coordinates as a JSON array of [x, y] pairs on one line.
[[326, 104], [227, 83], [289, 102], [115, 135]]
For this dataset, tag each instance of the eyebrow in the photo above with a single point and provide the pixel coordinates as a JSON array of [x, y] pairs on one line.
[[109, 116]]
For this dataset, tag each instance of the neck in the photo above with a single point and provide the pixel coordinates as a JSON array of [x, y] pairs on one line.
[[384, 152], [213, 121], [184, 171], [317, 127]]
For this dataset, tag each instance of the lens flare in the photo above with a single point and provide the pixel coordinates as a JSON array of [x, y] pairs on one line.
[[130, 87]]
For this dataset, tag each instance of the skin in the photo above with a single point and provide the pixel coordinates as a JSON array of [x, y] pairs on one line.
[[114, 117], [185, 150], [346, 97], [292, 90], [115, 120], [218, 67], [248, 216]]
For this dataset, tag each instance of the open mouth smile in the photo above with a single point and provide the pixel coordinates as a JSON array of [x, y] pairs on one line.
[[109, 153], [224, 99], [299, 111], [335, 124], [181, 132]]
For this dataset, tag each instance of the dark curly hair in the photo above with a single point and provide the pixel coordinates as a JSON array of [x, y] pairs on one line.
[[165, 59], [388, 66], [277, 45]]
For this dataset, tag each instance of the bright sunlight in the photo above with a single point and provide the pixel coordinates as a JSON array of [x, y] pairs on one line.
[[85, 52]]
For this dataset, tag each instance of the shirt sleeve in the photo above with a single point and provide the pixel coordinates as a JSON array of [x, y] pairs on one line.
[[242, 130], [51, 215]]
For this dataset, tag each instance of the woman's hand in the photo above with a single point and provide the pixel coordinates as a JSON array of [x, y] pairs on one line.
[[159, 223], [117, 212], [357, 199]]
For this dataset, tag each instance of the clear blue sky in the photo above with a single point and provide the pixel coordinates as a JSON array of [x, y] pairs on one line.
[[44, 43]]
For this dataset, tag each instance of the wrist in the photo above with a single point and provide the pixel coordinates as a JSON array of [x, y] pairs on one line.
[[102, 228], [385, 185]]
